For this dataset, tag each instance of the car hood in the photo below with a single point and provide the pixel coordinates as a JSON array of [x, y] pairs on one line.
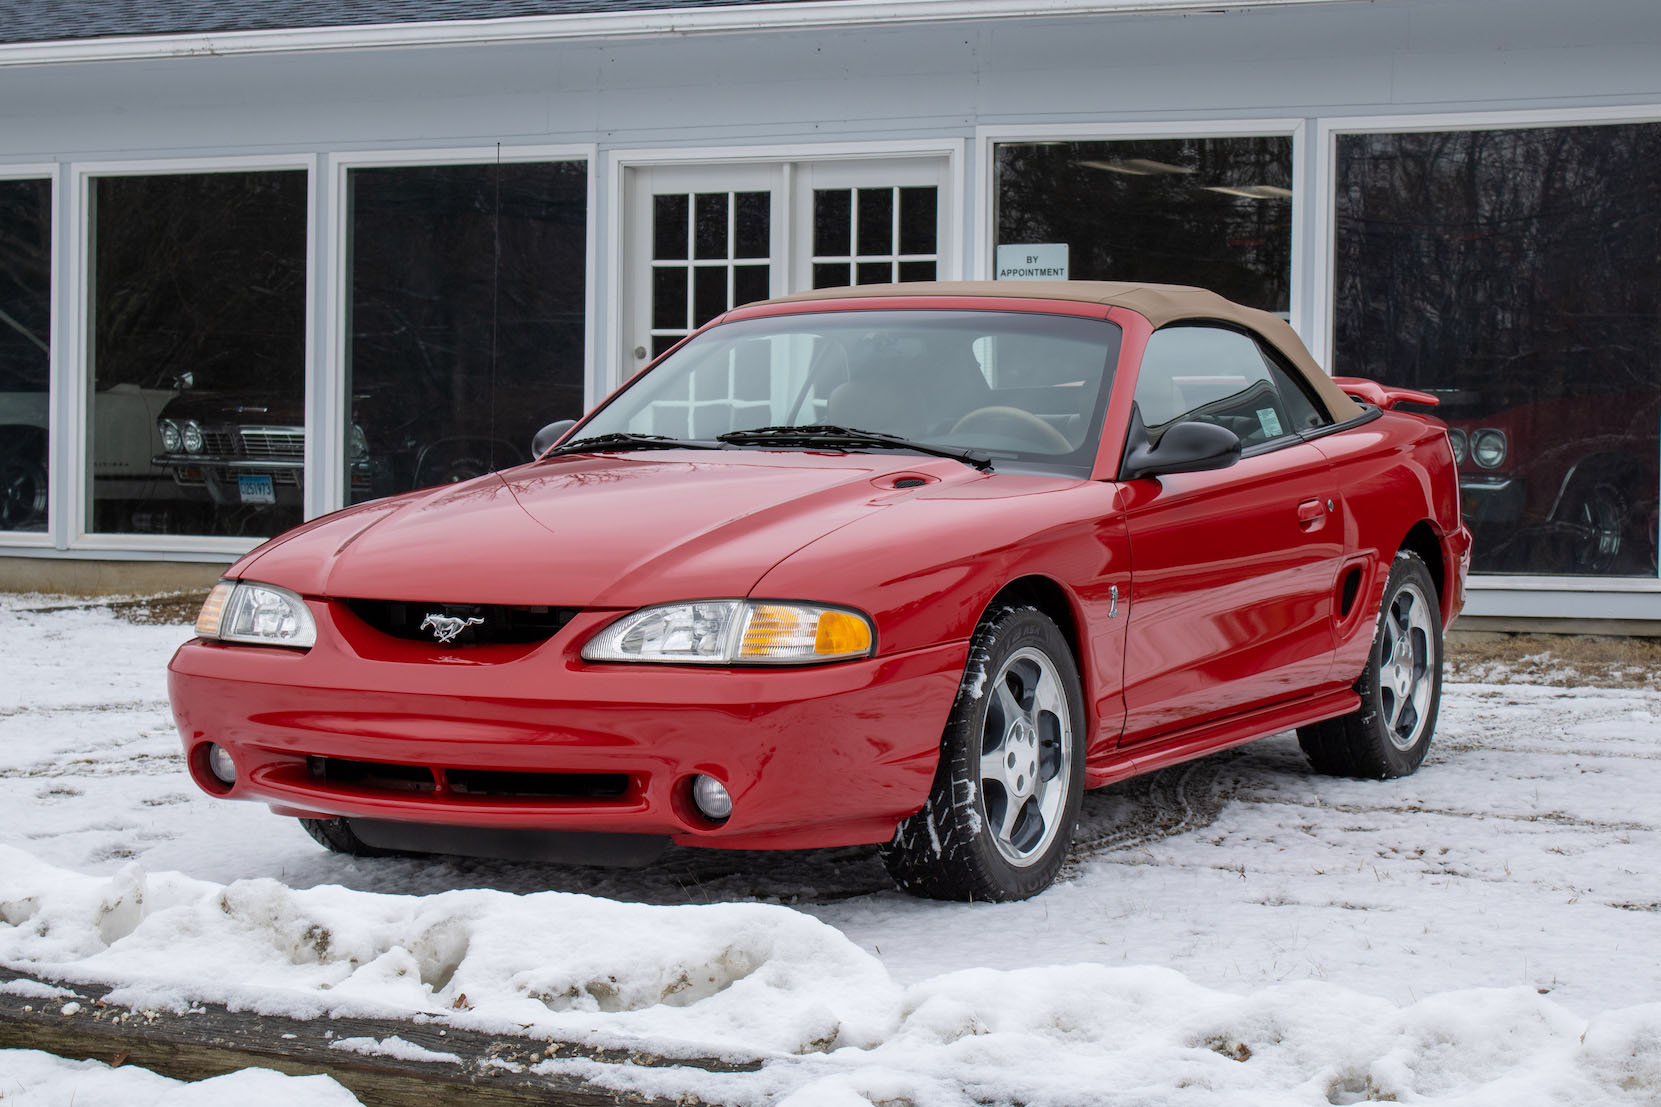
[[610, 531], [249, 408]]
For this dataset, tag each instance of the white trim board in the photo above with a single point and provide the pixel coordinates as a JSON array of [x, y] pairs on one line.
[[667, 22]]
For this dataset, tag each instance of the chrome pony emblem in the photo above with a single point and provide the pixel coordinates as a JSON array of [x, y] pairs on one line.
[[445, 628]]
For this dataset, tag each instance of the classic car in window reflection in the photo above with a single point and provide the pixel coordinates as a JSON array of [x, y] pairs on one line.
[[125, 441], [1567, 486], [910, 565], [248, 451]]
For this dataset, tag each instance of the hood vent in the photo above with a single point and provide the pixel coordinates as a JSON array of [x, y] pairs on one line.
[[462, 624]]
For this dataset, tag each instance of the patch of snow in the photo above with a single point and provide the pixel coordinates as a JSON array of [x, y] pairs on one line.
[[393, 1046], [30, 1078]]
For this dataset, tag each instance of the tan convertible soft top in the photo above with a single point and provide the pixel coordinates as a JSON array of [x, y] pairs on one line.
[[1159, 303]]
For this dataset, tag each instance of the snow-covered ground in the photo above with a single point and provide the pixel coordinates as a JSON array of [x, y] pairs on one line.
[[1234, 931]]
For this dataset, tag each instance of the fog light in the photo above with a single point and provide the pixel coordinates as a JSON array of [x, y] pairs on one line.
[[711, 797], [221, 765]]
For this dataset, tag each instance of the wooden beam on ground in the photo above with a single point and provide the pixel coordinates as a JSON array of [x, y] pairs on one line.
[[210, 1040]]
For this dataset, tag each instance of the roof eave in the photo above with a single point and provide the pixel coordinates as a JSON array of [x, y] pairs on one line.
[[666, 22]]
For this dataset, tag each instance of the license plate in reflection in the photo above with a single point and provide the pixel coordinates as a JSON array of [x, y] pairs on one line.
[[256, 489]]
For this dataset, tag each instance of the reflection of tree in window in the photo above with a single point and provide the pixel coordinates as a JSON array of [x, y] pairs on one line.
[[1214, 212], [1518, 274]]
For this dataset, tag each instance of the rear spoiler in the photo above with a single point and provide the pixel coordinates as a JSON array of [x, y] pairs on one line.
[[1382, 396]]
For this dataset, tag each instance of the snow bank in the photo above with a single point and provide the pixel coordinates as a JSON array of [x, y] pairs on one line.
[[29, 1078], [830, 1023], [716, 980]]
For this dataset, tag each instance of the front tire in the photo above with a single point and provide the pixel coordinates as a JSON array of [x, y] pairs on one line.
[[1401, 687], [999, 818], [337, 836]]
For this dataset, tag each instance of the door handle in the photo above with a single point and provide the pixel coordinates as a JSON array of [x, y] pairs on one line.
[[1311, 513]]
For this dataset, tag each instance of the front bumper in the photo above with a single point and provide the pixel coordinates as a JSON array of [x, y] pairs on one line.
[[1491, 499], [534, 737]]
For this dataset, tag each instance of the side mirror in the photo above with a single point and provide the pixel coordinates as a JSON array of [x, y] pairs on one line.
[[1183, 448], [184, 382], [550, 434]]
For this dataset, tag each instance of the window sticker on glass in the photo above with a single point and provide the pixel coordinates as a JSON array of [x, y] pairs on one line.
[[1269, 421]]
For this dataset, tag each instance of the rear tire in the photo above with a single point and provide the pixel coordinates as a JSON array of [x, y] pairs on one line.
[[1401, 687], [337, 836], [999, 819]]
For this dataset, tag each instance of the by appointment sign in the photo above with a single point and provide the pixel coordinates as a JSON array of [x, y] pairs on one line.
[[1033, 261]]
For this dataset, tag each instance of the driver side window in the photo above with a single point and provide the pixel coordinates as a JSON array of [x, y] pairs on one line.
[[1210, 374]]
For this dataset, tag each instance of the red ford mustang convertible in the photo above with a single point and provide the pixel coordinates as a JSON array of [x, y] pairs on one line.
[[911, 565]]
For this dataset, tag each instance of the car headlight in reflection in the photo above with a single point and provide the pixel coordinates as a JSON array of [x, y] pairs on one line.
[[357, 445], [256, 614], [1488, 448], [171, 440], [734, 632], [192, 433], [1460, 443]]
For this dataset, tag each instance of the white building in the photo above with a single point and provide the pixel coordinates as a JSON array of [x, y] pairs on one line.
[[317, 252]]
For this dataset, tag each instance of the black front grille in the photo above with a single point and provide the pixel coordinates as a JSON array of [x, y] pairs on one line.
[[379, 776], [473, 624], [485, 782], [371, 775]]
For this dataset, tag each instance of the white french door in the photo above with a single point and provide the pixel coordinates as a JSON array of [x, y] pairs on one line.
[[701, 239]]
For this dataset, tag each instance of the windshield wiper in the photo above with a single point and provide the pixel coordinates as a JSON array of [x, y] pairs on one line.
[[604, 443], [822, 434]]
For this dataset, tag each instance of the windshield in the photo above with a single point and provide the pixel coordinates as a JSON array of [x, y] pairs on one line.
[[1026, 389]]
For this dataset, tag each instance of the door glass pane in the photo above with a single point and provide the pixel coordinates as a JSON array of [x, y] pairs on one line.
[[730, 229], [25, 337], [833, 214], [1213, 212], [895, 230], [919, 216], [197, 352], [752, 225], [1515, 273], [711, 225], [669, 226], [876, 222], [466, 317]]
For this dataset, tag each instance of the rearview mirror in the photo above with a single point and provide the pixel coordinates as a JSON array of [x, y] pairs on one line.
[[1183, 448], [548, 435]]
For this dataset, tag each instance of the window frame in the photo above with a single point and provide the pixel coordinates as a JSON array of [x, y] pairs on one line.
[[1524, 595], [326, 486], [1272, 362], [54, 536], [77, 391], [988, 137]]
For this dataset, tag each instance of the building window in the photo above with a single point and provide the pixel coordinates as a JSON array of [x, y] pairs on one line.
[[197, 352], [466, 317], [25, 349], [1213, 212], [1517, 274]]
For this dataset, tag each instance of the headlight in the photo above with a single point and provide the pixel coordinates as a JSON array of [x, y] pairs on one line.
[[258, 614], [357, 445], [733, 632], [193, 436], [1460, 444], [171, 440], [1488, 448]]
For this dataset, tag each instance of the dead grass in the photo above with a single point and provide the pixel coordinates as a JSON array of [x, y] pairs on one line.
[[1575, 660]]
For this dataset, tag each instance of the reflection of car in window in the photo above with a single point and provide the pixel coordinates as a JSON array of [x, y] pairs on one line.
[[1568, 486], [124, 437], [248, 449]]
